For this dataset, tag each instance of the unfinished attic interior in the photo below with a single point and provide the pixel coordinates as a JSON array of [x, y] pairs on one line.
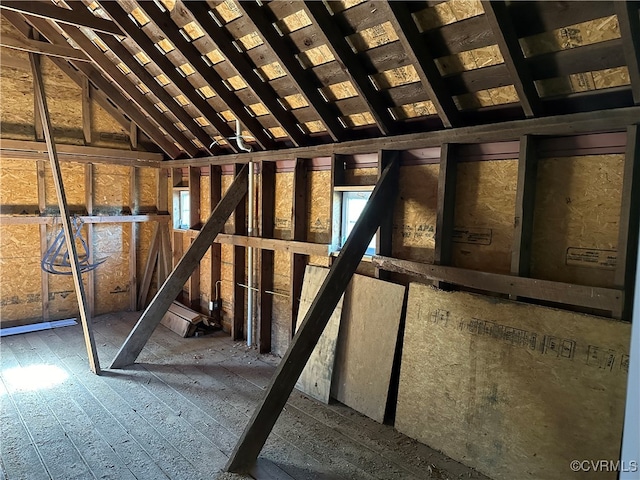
[[319, 240]]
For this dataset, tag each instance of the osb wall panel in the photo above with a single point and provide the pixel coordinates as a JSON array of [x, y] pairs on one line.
[[205, 281], [205, 198], [147, 187], [414, 218], [484, 210], [281, 319], [16, 88], [19, 180], [112, 241], [513, 390], [105, 130], [283, 205], [576, 216], [226, 182], [111, 187], [226, 285], [319, 207], [361, 176], [20, 292], [145, 236], [73, 180]]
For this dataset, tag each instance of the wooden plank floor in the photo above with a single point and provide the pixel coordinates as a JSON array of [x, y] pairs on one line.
[[177, 415]]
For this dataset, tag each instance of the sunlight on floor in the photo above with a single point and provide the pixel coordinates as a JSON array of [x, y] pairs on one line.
[[33, 378]]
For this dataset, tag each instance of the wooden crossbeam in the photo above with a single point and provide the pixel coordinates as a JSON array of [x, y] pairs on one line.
[[152, 316], [138, 36], [502, 27], [49, 11], [43, 48], [164, 22], [85, 314], [304, 79], [417, 52], [629, 21], [329, 32], [263, 90], [379, 206]]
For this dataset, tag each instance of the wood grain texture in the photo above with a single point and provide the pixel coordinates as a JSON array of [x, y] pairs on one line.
[[315, 379], [510, 389]]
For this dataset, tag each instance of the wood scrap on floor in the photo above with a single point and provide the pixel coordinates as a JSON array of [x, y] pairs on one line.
[[182, 320], [315, 379]]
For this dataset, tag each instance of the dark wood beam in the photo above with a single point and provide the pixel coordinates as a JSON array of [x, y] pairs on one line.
[[43, 48], [330, 33], [606, 299], [129, 88], [445, 212], [267, 95], [152, 316], [147, 79], [266, 219], [625, 274], [138, 36], [215, 194], [194, 57], [239, 259], [304, 79], [49, 11], [299, 222], [86, 111], [629, 22], [69, 234], [418, 53], [111, 93], [525, 202], [505, 35], [256, 432], [194, 222], [384, 239]]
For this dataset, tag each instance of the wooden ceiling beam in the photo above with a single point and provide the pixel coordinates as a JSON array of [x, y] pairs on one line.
[[136, 34], [110, 91], [194, 57], [419, 55], [266, 94], [42, 48], [502, 27], [147, 79], [329, 31], [629, 21], [129, 88], [49, 11], [303, 79]]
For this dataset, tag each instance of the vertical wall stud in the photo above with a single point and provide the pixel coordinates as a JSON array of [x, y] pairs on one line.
[[266, 218], [299, 233], [239, 266], [446, 207], [42, 205]]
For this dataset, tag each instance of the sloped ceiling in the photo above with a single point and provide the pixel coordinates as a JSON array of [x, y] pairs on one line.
[[305, 73]]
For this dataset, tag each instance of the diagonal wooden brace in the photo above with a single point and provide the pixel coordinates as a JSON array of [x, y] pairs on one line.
[[152, 316]]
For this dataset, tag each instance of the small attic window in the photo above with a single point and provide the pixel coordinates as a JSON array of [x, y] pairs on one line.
[[181, 212], [352, 204]]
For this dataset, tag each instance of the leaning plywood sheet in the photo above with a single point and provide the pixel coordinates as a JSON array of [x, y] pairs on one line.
[[366, 345], [513, 390], [315, 379]]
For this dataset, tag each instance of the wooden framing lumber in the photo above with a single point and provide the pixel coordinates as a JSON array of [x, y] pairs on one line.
[[194, 221], [152, 316], [607, 299], [629, 21], [446, 205], [380, 204], [44, 277], [505, 35], [134, 205], [43, 48], [525, 202], [85, 315], [239, 259], [86, 111], [384, 239], [625, 274], [89, 197], [152, 257], [215, 194], [299, 222], [418, 54], [265, 276], [89, 219]]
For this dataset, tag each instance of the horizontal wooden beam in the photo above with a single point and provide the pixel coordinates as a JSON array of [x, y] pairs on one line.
[[26, 149], [608, 299], [613, 120], [43, 48], [290, 246], [90, 219]]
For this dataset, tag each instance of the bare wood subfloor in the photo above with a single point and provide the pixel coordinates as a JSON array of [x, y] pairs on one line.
[[177, 415]]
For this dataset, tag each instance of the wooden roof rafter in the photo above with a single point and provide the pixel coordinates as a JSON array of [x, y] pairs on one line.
[[109, 93], [223, 42], [629, 20], [139, 37], [305, 82], [164, 22], [421, 58], [351, 64]]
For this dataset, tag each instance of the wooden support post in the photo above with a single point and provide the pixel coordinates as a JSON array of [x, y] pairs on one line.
[[215, 194], [164, 254], [42, 205], [37, 118], [134, 205], [194, 222], [152, 316], [239, 266], [298, 233], [525, 202], [255, 434], [162, 191], [152, 257], [625, 274], [385, 233], [445, 207], [86, 110], [267, 211], [85, 315], [91, 274]]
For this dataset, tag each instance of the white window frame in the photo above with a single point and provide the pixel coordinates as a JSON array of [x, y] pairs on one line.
[[344, 198], [181, 209]]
